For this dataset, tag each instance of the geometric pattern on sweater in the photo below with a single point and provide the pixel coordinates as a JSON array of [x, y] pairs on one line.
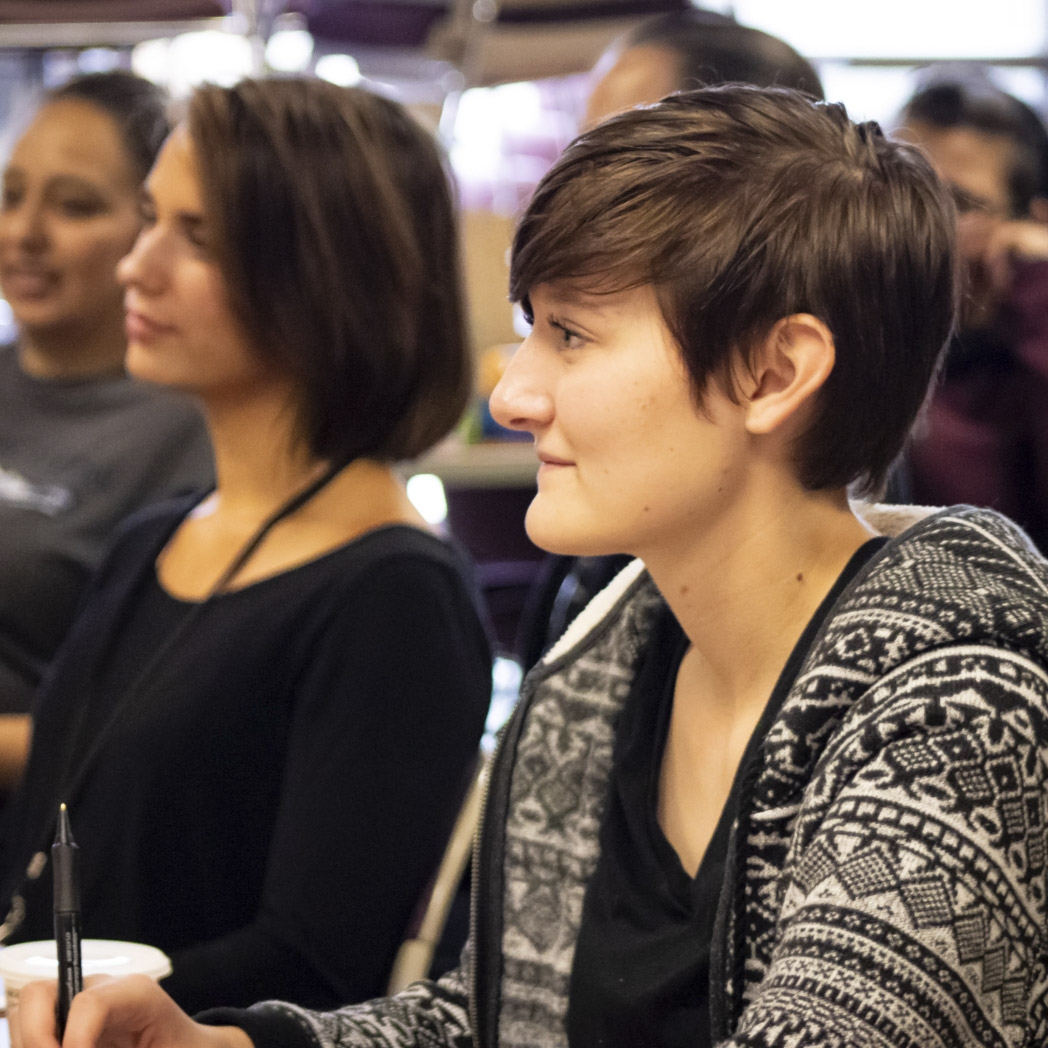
[[424, 1015], [554, 816], [886, 880], [924, 812]]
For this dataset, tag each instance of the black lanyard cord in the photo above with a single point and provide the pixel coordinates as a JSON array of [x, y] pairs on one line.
[[72, 783]]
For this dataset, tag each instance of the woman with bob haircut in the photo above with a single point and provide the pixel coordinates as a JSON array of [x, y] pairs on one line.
[[265, 716], [782, 784]]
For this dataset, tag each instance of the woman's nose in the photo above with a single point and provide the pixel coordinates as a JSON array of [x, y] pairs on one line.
[[521, 400], [26, 223], [140, 267]]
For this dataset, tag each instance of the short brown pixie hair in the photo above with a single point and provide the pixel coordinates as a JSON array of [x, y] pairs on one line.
[[741, 206], [336, 235]]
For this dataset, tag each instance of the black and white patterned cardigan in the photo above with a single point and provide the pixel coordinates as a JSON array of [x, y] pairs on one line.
[[886, 886]]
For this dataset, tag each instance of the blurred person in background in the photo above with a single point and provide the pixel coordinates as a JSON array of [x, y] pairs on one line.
[[660, 56], [984, 438], [267, 710], [689, 49], [81, 444]]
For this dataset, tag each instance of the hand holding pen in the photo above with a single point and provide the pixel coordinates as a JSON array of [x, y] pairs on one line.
[[66, 865], [134, 1012]]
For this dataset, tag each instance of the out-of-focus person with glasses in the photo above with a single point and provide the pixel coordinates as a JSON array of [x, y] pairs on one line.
[[984, 438]]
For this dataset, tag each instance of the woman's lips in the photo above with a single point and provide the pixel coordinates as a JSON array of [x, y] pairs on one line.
[[551, 464], [27, 283], [141, 328]]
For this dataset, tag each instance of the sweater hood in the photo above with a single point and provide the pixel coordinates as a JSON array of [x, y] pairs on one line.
[[990, 577]]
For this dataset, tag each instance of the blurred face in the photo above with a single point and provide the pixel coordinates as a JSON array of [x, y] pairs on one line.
[[975, 165], [628, 462], [637, 76], [180, 326], [69, 212]]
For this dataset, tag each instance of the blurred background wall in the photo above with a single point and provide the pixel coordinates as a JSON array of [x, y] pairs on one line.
[[503, 81]]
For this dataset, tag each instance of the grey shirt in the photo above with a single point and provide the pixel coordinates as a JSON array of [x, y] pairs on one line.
[[76, 457]]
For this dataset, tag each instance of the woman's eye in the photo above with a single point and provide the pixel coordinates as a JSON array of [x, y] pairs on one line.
[[10, 198], [194, 230], [198, 240], [567, 338], [79, 207]]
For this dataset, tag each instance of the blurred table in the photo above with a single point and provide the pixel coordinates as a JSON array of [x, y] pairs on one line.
[[507, 464]]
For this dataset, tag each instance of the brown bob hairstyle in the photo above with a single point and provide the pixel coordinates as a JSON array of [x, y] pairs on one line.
[[742, 206], [336, 235]]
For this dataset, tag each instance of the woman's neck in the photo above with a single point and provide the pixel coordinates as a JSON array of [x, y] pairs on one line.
[[70, 353], [260, 462], [744, 591], [260, 466]]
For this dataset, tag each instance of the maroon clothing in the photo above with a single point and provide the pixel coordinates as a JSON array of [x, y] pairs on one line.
[[985, 438]]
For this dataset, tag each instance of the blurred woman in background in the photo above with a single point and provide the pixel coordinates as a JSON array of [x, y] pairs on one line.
[[81, 444], [267, 710]]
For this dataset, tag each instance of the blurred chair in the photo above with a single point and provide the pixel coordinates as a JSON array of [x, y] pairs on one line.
[[415, 958]]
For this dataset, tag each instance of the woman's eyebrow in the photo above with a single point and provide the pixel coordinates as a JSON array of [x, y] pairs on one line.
[[74, 182], [192, 220]]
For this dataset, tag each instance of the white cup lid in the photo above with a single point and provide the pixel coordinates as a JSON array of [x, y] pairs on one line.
[[27, 961]]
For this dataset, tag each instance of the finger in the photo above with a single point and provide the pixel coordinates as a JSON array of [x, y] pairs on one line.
[[129, 1011], [1012, 243], [111, 1012], [35, 1014], [1026, 240]]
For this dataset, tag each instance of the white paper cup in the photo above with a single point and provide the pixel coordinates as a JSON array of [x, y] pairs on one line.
[[26, 961]]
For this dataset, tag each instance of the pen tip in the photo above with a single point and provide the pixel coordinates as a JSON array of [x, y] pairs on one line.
[[63, 833]]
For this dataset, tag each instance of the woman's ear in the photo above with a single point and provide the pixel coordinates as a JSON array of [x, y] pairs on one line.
[[789, 368]]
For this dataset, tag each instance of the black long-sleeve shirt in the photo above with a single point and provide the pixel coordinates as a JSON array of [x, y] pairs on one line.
[[274, 796]]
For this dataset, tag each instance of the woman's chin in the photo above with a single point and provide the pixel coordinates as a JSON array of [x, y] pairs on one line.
[[141, 364], [554, 534]]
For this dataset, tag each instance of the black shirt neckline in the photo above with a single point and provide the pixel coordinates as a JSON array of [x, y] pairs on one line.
[[641, 967]]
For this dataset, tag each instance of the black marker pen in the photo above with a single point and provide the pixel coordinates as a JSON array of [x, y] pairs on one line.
[[64, 856]]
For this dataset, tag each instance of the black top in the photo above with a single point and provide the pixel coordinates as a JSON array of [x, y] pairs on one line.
[[641, 969], [271, 803]]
